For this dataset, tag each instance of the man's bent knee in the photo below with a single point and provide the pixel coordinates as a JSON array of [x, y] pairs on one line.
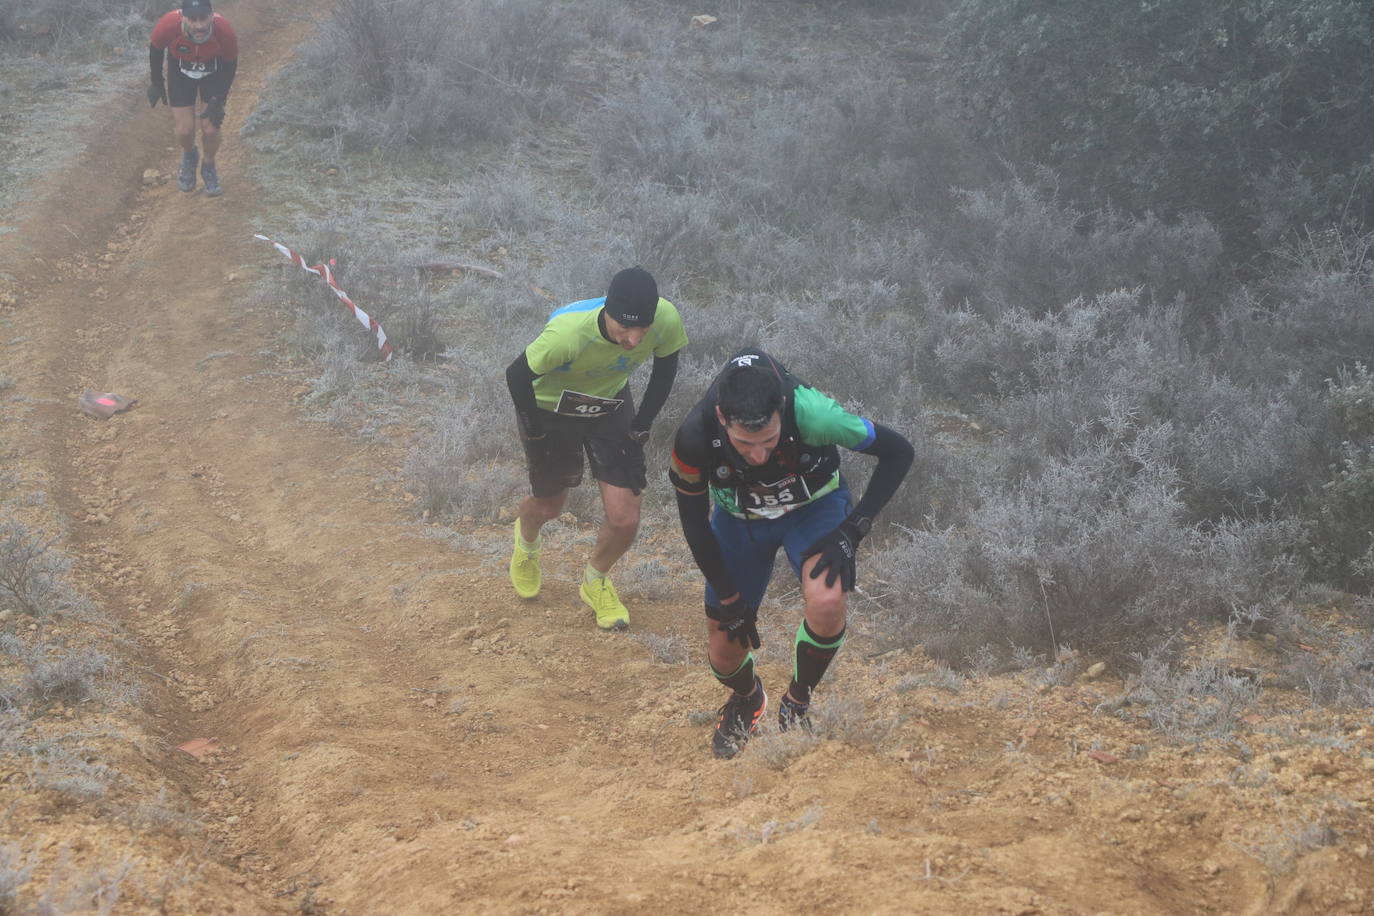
[[825, 612], [544, 508], [623, 523]]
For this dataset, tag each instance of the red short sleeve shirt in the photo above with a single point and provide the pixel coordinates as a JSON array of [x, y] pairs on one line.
[[192, 59]]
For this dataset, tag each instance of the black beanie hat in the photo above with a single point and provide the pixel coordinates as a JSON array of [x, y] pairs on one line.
[[633, 297], [195, 8]]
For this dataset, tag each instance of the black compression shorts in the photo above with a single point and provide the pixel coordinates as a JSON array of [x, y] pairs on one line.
[[555, 462], [182, 90]]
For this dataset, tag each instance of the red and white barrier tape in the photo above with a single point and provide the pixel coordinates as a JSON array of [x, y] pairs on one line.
[[323, 271]]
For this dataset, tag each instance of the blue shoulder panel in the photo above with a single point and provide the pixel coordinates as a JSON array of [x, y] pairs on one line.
[[585, 305]]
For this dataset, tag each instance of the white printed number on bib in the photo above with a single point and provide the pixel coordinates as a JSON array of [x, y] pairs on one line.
[[195, 69], [588, 406], [771, 500]]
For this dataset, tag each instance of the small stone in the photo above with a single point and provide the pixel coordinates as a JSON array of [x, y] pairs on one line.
[[704, 21], [1131, 815], [151, 176], [1361, 850], [1095, 671], [1211, 869]]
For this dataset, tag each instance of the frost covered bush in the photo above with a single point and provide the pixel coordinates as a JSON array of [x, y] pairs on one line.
[[1095, 551], [406, 72], [1342, 511]]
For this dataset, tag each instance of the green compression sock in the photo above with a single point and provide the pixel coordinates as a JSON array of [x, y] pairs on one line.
[[742, 680]]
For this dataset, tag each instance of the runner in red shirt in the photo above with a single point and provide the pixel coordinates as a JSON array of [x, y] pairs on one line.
[[203, 55]]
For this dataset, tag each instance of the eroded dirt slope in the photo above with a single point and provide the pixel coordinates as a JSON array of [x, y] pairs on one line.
[[400, 734]]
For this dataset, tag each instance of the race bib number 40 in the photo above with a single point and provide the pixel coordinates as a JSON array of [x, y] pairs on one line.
[[588, 406]]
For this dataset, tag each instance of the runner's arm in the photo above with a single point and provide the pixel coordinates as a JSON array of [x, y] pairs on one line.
[[685, 472], [227, 70], [520, 381], [895, 456], [656, 392], [694, 511]]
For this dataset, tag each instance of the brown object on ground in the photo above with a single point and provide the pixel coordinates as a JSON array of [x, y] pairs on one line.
[[457, 267]]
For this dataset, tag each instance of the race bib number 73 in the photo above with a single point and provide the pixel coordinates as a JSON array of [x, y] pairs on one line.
[[196, 69]]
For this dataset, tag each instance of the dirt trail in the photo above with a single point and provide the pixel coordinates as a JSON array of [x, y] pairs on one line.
[[403, 735]]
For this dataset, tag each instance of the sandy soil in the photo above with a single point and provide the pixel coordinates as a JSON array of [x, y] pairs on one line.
[[400, 734]]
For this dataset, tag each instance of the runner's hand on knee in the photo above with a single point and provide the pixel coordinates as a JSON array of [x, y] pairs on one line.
[[737, 621], [214, 111], [633, 450], [837, 551]]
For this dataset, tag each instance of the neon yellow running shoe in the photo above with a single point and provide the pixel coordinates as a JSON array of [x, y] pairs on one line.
[[600, 596], [524, 568]]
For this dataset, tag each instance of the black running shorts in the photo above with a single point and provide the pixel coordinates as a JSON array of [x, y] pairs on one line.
[[182, 90], [555, 462]]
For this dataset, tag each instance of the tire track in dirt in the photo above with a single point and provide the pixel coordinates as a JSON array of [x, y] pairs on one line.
[[241, 546]]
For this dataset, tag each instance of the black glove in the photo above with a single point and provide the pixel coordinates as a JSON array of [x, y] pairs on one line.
[[837, 550], [157, 92], [214, 111], [633, 452], [737, 621]]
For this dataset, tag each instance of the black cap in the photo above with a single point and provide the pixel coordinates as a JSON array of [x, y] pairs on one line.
[[195, 9], [633, 297]]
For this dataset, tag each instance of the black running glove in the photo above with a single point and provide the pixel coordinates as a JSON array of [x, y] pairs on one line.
[[214, 111], [837, 550], [737, 621], [632, 448], [157, 92]]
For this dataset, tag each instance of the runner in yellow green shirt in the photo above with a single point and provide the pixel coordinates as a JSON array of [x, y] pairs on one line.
[[572, 397]]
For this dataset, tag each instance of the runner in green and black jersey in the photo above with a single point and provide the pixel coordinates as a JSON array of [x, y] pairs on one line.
[[761, 448], [571, 397]]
